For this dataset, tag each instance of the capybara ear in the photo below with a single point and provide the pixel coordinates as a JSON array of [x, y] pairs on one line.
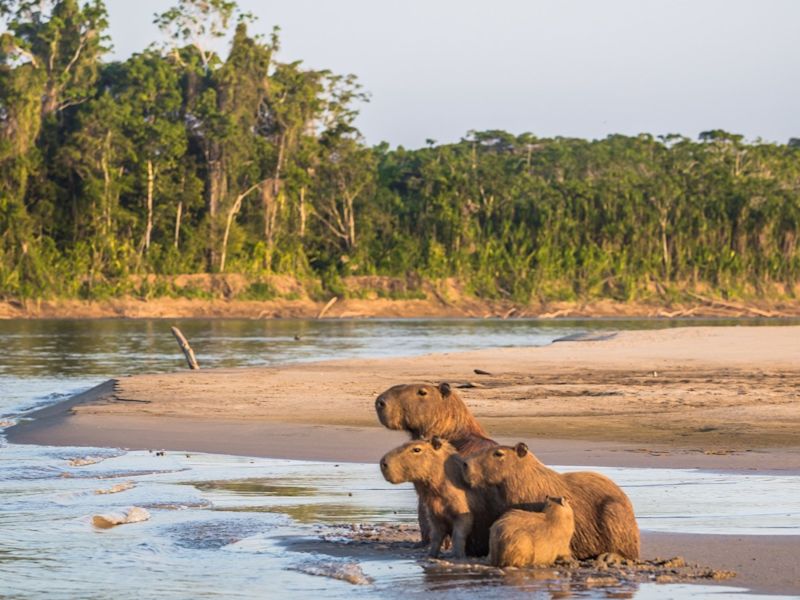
[[444, 389], [436, 442], [521, 448]]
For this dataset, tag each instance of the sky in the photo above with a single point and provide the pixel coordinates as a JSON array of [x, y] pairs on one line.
[[436, 69]]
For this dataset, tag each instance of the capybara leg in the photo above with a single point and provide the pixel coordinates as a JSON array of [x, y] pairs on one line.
[[437, 537], [461, 529], [424, 524]]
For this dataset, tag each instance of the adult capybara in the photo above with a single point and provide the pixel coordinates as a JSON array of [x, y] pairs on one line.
[[425, 411], [451, 508], [604, 519], [521, 538], [428, 410]]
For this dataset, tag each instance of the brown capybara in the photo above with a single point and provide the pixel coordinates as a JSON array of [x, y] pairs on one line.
[[521, 538], [604, 519], [425, 411], [451, 508]]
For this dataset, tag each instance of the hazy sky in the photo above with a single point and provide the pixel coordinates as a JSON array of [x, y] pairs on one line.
[[587, 68]]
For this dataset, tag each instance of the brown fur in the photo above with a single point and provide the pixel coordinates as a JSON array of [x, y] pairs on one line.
[[604, 519], [532, 539], [451, 508], [425, 411]]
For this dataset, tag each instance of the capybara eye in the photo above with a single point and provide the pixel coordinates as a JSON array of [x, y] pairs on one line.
[[417, 449], [499, 453], [422, 392]]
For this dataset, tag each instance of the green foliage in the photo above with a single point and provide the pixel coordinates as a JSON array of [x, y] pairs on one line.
[[259, 290], [116, 176]]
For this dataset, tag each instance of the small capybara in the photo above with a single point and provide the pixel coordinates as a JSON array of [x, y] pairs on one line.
[[521, 538], [428, 410], [604, 519], [451, 508]]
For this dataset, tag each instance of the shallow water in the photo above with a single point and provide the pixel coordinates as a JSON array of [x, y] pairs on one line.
[[227, 526]]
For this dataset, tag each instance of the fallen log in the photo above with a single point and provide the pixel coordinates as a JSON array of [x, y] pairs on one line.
[[732, 306]]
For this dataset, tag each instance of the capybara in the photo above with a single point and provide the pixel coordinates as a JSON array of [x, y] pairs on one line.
[[521, 538], [428, 410], [604, 519], [451, 508], [425, 411]]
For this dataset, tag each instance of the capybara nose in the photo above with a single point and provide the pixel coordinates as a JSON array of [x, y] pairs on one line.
[[380, 403], [384, 466]]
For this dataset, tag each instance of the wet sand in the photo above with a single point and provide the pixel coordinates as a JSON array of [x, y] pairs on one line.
[[764, 564], [711, 398]]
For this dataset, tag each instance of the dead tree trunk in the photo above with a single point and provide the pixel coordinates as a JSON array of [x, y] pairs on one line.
[[187, 349]]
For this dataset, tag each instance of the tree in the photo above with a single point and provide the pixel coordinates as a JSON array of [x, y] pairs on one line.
[[197, 23], [149, 85], [62, 40]]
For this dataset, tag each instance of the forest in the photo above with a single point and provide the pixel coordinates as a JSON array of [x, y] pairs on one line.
[[179, 160]]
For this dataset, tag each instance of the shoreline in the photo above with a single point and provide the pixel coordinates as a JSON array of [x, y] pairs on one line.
[[58, 425], [434, 305]]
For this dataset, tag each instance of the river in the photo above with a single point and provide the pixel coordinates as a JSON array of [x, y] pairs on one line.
[[226, 526]]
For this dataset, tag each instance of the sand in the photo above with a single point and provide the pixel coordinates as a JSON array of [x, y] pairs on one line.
[[714, 398], [708, 391]]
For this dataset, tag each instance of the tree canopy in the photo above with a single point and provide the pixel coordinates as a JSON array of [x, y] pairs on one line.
[[178, 160]]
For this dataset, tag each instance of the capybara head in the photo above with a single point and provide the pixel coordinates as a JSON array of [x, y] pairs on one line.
[[558, 510], [425, 411], [418, 461], [494, 466]]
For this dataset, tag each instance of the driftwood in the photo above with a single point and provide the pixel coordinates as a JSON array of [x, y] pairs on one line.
[[732, 306], [469, 384], [187, 349], [325, 308], [509, 312], [553, 315], [677, 313], [440, 298]]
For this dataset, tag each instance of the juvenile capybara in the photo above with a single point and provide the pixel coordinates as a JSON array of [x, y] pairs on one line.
[[429, 410], [604, 519], [521, 538], [451, 508]]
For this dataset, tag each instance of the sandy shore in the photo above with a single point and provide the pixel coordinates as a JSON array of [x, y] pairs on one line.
[[703, 392], [711, 398]]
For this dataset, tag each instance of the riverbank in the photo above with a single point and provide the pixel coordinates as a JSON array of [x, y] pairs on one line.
[[376, 297], [722, 398]]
